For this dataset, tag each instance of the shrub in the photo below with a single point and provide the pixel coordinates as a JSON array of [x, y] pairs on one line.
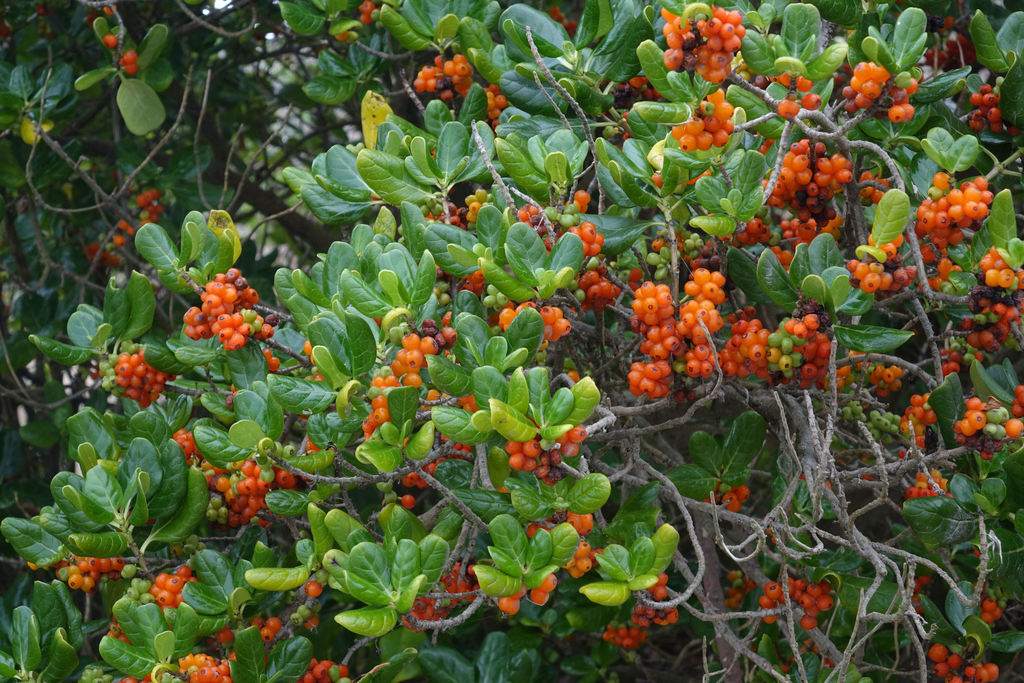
[[476, 341]]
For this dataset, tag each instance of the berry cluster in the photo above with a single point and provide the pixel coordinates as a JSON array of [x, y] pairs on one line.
[[202, 668], [813, 598], [956, 52], [753, 232], [868, 85], [555, 324], [244, 492], [149, 204], [787, 350], [379, 402], [582, 561], [927, 485], [710, 50], [129, 62], [625, 95], [323, 671], [869, 191], [985, 426], [591, 238], [804, 231], [987, 113], [527, 456], [809, 179], [269, 627], [644, 616], [732, 499], [595, 292], [460, 585], [789, 107], [107, 259], [998, 274], [993, 313], [739, 586], [446, 77], [940, 281], [135, 378], [411, 359], [919, 415], [184, 438], [569, 25], [84, 573], [990, 610], [366, 10], [540, 594], [947, 212], [227, 312], [628, 637], [947, 664], [711, 127], [496, 103], [166, 588]]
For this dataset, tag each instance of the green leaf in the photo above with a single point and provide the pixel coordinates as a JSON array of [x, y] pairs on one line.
[[289, 660], [939, 521], [61, 352], [140, 106], [1002, 223], [869, 338], [126, 658], [496, 583], [589, 494], [800, 27], [152, 45], [301, 17], [155, 246], [909, 36], [142, 304], [774, 280], [276, 578], [24, 637], [608, 593], [986, 46], [948, 403], [249, 663], [891, 216]]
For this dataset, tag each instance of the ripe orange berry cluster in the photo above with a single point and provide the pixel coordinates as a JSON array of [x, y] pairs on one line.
[[628, 637], [870, 193], [746, 351], [813, 598], [251, 491], [753, 232], [733, 499], [583, 524], [868, 85], [940, 281], [184, 438], [987, 112], [919, 415], [555, 324], [740, 585], [924, 486], [540, 595], [120, 240], [886, 380], [269, 628], [273, 362], [379, 403], [166, 588], [582, 560], [140, 381], [323, 671], [998, 273], [711, 127], [435, 609], [809, 179], [129, 62], [446, 77], [591, 238], [804, 231], [149, 202], [598, 291], [946, 212], [947, 664], [723, 35], [985, 426], [366, 9], [990, 610], [645, 616], [527, 456], [84, 573], [653, 379], [202, 668], [226, 312], [411, 359], [107, 259], [496, 103]]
